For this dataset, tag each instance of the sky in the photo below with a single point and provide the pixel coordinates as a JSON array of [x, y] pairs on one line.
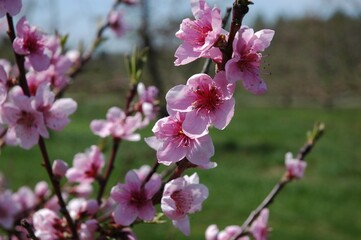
[[79, 18]]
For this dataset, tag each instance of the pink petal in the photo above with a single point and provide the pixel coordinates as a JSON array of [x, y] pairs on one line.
[[224, 114], [183, 225], [171, 153], [233, 72], [185, 54], [253, 83], [195, 125], [201, 151], [39, 61], [125, 215], [132, 181], [264, 39], [115, 113], [153, 142], [101, 128], [147, 211], [152, 186], [13, 6], [180, 98], [28, 137]]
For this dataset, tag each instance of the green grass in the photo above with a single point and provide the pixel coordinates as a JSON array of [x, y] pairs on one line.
[[250, 155]]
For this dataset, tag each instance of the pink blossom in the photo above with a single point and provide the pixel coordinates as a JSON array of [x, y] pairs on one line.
[[259, 229], [25, 198], [42, 190], [247, 56], [148, 101], [200, 35], [48, 225], [59, 168], [26, 124], [182, 196], [295, 167], [86, 166], [116, 22], [56, 113], [118, 125], [213, 233], [206, 101], [60, 64], [88, 229], [31, 43], [134, 200], [83, 189], [79, 206], [12, 7], [173, 144], [8, 209]]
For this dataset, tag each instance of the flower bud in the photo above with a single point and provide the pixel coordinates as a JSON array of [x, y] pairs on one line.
[[92, 206], [59, 168]]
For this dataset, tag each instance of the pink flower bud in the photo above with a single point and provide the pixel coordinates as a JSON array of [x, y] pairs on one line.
[[59, 168], [92, 206], [42, 189], [295, 167]]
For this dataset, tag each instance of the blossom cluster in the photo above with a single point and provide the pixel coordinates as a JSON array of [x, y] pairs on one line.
[[30, 105]]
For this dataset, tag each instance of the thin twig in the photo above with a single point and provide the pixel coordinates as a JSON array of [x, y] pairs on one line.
[[239, 10], [29, 228], [104, 180], [56, 187], [150, 174], [303, 152], [20, 60], [46, 160]]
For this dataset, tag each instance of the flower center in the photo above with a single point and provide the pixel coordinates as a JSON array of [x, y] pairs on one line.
[[31, 43], [249, 61], [138, 198], [3, 212], [183, 201], [26, 118], [207, 99], [198, 31]]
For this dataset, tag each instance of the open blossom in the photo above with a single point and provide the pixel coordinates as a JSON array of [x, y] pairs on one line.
[[200, 35], [8, 209], [206, 101], [295, 167], [31, 43], [25, 123], [133, 200], [88, 229], [182, 196], [173, 144], [56, 73], [56, 113], [213, 233], [48, 225], [148, 101], [116, 22], [12, 7], [118, 125], [79, 206], [25, 198], [246, 61], [259, 229], [86, 166]]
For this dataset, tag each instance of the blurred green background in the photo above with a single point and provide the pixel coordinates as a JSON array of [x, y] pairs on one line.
[[315, 76]]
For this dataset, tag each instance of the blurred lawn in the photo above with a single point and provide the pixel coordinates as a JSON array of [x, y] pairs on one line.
[[250, 156]]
